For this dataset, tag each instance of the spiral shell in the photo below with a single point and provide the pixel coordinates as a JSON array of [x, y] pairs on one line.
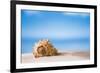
[[44, 48]]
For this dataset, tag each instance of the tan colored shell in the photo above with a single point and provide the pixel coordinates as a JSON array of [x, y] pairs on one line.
[[44, 48]]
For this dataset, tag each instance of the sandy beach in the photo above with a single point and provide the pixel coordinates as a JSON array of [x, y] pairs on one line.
[[62, 56]]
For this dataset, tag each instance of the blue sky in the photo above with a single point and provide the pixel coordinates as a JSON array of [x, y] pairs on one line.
[[55, 25]]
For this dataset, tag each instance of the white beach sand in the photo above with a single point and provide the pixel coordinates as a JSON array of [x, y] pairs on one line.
[[63, 56]]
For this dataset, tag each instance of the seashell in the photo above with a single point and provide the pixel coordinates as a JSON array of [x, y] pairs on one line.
[[44, 48]]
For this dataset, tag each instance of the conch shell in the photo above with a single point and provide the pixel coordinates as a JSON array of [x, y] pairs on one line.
[[44, 48]]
